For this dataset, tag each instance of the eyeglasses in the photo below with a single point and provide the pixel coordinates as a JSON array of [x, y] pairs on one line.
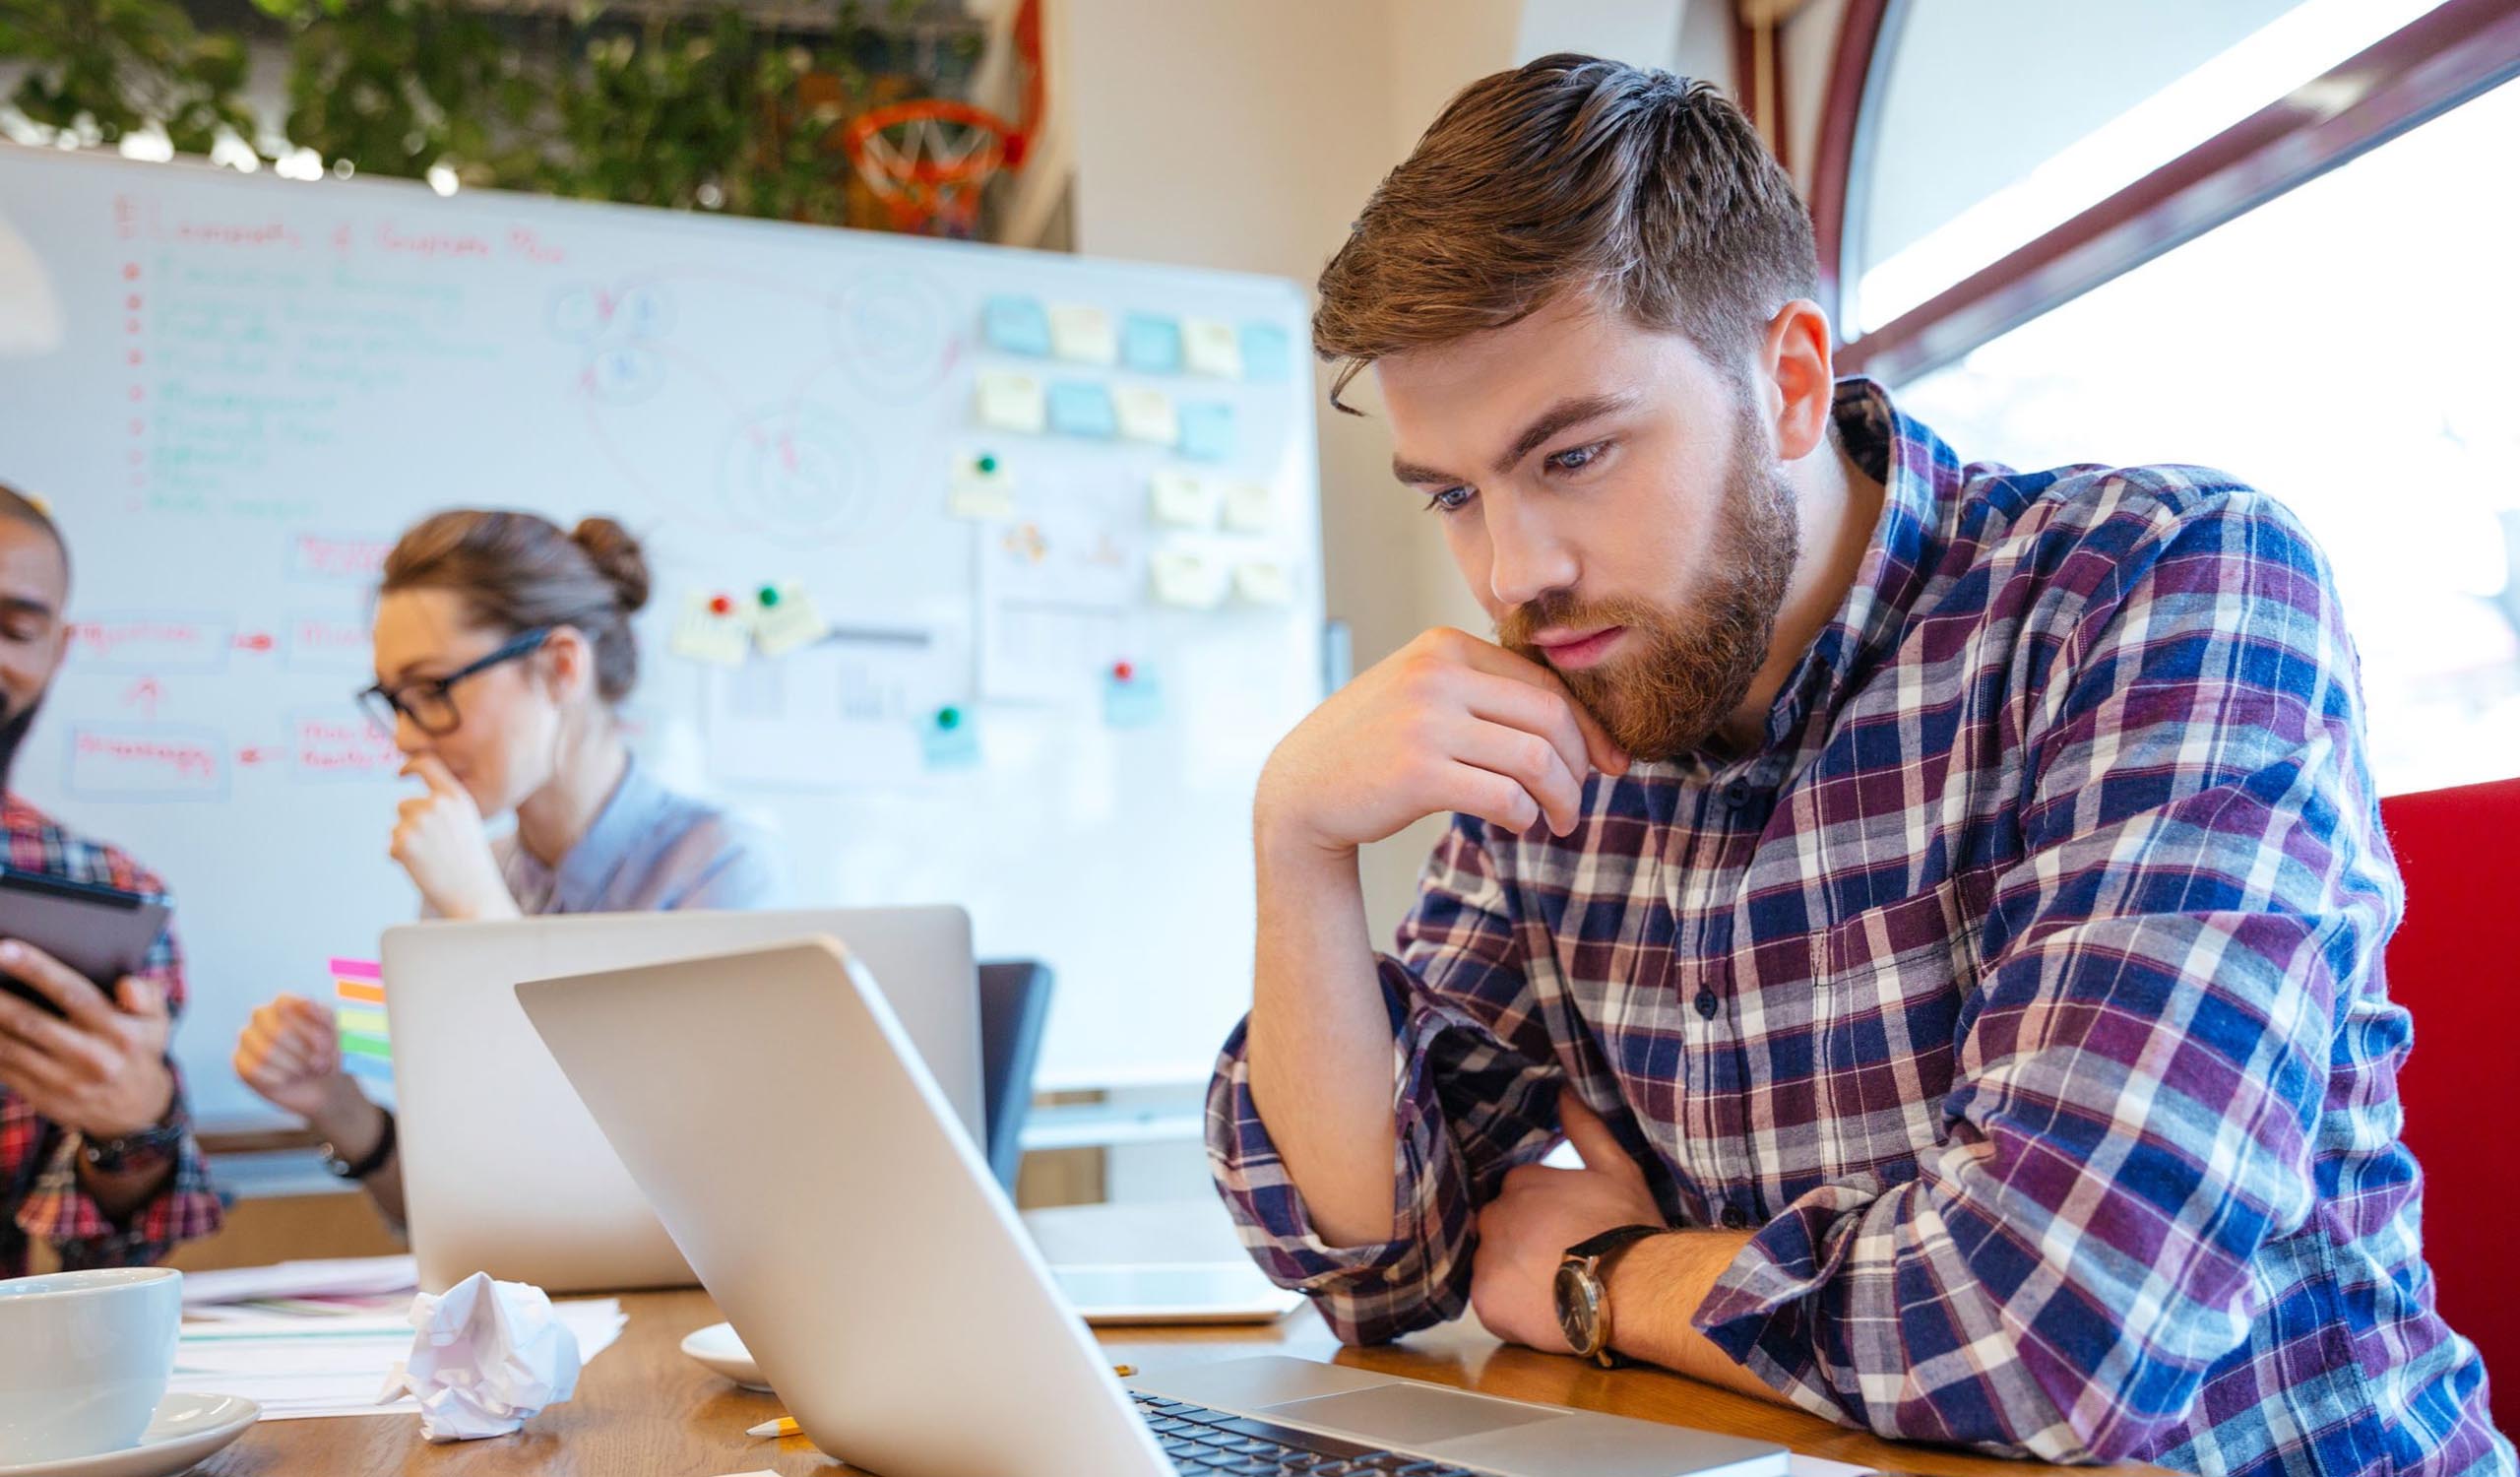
[[430, 702]]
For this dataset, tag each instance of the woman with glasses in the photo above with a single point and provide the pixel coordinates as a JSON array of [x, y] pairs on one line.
[[503, 647]]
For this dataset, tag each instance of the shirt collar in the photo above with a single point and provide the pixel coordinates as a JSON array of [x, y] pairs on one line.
[[1921, 481], [585, 876]]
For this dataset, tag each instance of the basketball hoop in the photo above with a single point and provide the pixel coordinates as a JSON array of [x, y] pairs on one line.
[[928, 161]]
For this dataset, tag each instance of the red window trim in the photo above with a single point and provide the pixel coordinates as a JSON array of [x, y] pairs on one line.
[[2452, 53]]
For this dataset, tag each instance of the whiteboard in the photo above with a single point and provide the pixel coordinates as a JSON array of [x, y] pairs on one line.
[[236, 390]]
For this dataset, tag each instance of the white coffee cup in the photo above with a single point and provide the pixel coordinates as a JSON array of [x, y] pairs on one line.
[[84, 1358]]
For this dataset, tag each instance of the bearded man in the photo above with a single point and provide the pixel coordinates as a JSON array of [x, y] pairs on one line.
[[1942, 905]]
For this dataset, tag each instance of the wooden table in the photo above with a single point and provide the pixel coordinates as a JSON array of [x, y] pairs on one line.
[[643, 1408]]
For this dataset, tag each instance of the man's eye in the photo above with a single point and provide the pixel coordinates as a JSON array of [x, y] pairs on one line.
[[1576, 459], [1449, 500]]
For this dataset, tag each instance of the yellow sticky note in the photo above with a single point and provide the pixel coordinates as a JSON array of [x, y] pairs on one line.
[[982, 487], [783, 618], [1147, 415], [1013, 402], [1183, 577], [721, 637], [1209, 346], [1177, 499], [1083, 334], [1259, 582], [1248, 507]]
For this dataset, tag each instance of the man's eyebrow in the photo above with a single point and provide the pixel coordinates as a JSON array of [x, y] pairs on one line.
[[1567, 413], [1571, 412], [22, 605]]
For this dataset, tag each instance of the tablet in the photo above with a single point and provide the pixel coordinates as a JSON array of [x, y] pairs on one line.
[[103, 933]]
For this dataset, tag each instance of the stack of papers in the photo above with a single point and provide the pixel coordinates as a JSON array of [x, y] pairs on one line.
[[317, 1338]]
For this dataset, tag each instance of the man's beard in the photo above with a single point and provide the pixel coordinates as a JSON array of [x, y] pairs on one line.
[[1691, 668], [13, 734]]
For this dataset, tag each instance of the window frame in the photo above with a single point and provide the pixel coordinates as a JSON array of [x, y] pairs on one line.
[[2454, 52]]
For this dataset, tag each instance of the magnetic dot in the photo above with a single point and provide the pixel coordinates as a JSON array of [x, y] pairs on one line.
[[1122, 670], [989, 465], [769, 595], [949, 718]]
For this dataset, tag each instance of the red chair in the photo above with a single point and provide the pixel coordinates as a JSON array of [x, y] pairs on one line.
[[2455, 966]]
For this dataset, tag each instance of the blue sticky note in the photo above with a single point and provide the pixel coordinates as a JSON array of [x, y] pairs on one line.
[[1132, 702], [1082, 408], [950, 741], [1016, 325], [1151, 345], [1207, 432], [1264, 352]]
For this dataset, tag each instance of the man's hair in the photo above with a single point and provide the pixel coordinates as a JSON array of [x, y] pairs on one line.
[[1649, 191], [18, 507]]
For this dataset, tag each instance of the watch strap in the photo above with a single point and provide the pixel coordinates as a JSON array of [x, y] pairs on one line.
[[375, 1158], [1596, 1255]]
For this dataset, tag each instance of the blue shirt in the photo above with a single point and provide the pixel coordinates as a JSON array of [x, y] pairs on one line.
[[648, 851]]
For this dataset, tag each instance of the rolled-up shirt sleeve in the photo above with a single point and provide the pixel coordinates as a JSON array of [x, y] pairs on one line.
[[2168, 965], [1475, 1092]]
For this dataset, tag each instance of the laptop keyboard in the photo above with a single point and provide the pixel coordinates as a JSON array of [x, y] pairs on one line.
[[1201, 1440]]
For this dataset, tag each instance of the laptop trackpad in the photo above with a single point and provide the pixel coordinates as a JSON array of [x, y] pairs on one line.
[[1408, 1415]]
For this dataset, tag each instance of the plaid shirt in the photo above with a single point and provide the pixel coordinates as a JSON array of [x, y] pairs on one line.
[[2022, 988], [38, 1159]]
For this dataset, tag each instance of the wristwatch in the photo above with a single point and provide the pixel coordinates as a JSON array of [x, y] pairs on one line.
[[375, 1159], [151, 1146], [1583, 1289]]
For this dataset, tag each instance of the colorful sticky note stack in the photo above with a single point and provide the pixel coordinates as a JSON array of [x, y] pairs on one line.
[[358, 1008]]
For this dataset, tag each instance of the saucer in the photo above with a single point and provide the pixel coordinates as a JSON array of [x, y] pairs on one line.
[[716, 1348], [185, 1431]]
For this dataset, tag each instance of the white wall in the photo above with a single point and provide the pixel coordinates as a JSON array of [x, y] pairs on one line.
[[1247, 136]]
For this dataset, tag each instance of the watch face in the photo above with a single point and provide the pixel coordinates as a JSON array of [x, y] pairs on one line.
[[1578, 1306]]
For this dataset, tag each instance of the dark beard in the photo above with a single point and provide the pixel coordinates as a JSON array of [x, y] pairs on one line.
[[1697, 665], [13, 732]]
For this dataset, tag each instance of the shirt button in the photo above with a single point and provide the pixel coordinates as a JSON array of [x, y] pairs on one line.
[[1706, 1003], [1737, 794], [1733, 1218]]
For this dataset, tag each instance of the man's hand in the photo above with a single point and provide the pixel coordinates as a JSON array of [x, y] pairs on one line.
[[439, 840], [101, 1068], [1448, 723], [1524, 1233]]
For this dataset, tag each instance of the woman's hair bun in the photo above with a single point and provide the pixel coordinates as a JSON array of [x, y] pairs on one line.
[[617, 557]]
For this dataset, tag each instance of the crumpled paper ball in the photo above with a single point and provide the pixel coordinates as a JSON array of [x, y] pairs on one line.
[[486, 1358]]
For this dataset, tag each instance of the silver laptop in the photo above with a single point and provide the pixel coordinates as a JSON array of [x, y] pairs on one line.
[[503, 1170], [893, 1299]]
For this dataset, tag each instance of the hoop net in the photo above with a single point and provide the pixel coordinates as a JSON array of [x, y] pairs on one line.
[[928, 161]]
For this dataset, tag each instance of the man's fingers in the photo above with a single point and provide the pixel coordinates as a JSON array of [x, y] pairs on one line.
[[1534, 710], [73, 992], [1487, 656], [71, 1051], [1529, 760], [33, 1075], [1490, 795], [1592, 1139], [142, 997]]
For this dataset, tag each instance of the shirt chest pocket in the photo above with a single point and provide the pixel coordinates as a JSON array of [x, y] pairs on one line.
[[1889, 986]]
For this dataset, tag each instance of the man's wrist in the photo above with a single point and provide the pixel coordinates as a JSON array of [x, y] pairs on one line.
[[1654, 1290], [160, 1091]]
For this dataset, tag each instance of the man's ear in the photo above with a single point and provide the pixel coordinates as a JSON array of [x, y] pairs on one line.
[[1799, 375]]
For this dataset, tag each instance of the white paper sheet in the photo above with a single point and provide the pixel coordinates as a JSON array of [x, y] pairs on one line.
[[339, 1277], [300, 1366]]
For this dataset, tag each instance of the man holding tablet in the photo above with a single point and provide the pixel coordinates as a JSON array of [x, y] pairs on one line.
[[96, 1153]]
